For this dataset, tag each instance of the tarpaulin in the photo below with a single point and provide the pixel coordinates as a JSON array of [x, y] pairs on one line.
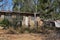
[[57, 23]]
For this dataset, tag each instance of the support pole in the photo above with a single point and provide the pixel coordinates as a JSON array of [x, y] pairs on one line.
[[35, 19]]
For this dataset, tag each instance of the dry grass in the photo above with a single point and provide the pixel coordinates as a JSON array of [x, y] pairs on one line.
[[19, 37], [25, 36], [53, 35]]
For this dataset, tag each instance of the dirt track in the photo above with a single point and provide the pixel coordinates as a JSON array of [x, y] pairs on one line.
[[20, 37], [30, 36]]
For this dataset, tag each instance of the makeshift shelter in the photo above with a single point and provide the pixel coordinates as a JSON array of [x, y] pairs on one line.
[[21, 18]]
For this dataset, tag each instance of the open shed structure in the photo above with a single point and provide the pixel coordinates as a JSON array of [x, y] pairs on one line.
[[18, 17]]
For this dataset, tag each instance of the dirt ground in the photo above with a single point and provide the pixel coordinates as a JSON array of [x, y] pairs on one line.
[[30, 36], [25, 36], [20, 37]]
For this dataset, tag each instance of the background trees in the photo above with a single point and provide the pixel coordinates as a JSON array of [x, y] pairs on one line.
[[25, 5], [48, 9]]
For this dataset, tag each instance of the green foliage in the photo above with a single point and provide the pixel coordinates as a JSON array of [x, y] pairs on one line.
[[5, 23], [46, 8], [27, 5]]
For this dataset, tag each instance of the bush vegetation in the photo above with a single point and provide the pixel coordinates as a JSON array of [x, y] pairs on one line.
[[5, 23], [14, 29]]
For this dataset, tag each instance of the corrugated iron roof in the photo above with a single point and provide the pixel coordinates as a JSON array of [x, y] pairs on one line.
[[14, 12]]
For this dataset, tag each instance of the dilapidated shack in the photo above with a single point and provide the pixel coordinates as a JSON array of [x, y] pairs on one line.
[[20, 17]]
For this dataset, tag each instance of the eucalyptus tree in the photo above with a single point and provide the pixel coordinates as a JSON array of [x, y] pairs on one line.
[[25, 5], [48, 8]]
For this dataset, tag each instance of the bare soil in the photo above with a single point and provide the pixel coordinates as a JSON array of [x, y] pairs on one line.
[[30, 36], [20, 37]]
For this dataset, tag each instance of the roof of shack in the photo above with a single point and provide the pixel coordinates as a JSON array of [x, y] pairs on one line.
[[20, 13]]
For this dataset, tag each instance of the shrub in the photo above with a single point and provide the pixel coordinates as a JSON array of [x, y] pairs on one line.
[[5, 23]]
